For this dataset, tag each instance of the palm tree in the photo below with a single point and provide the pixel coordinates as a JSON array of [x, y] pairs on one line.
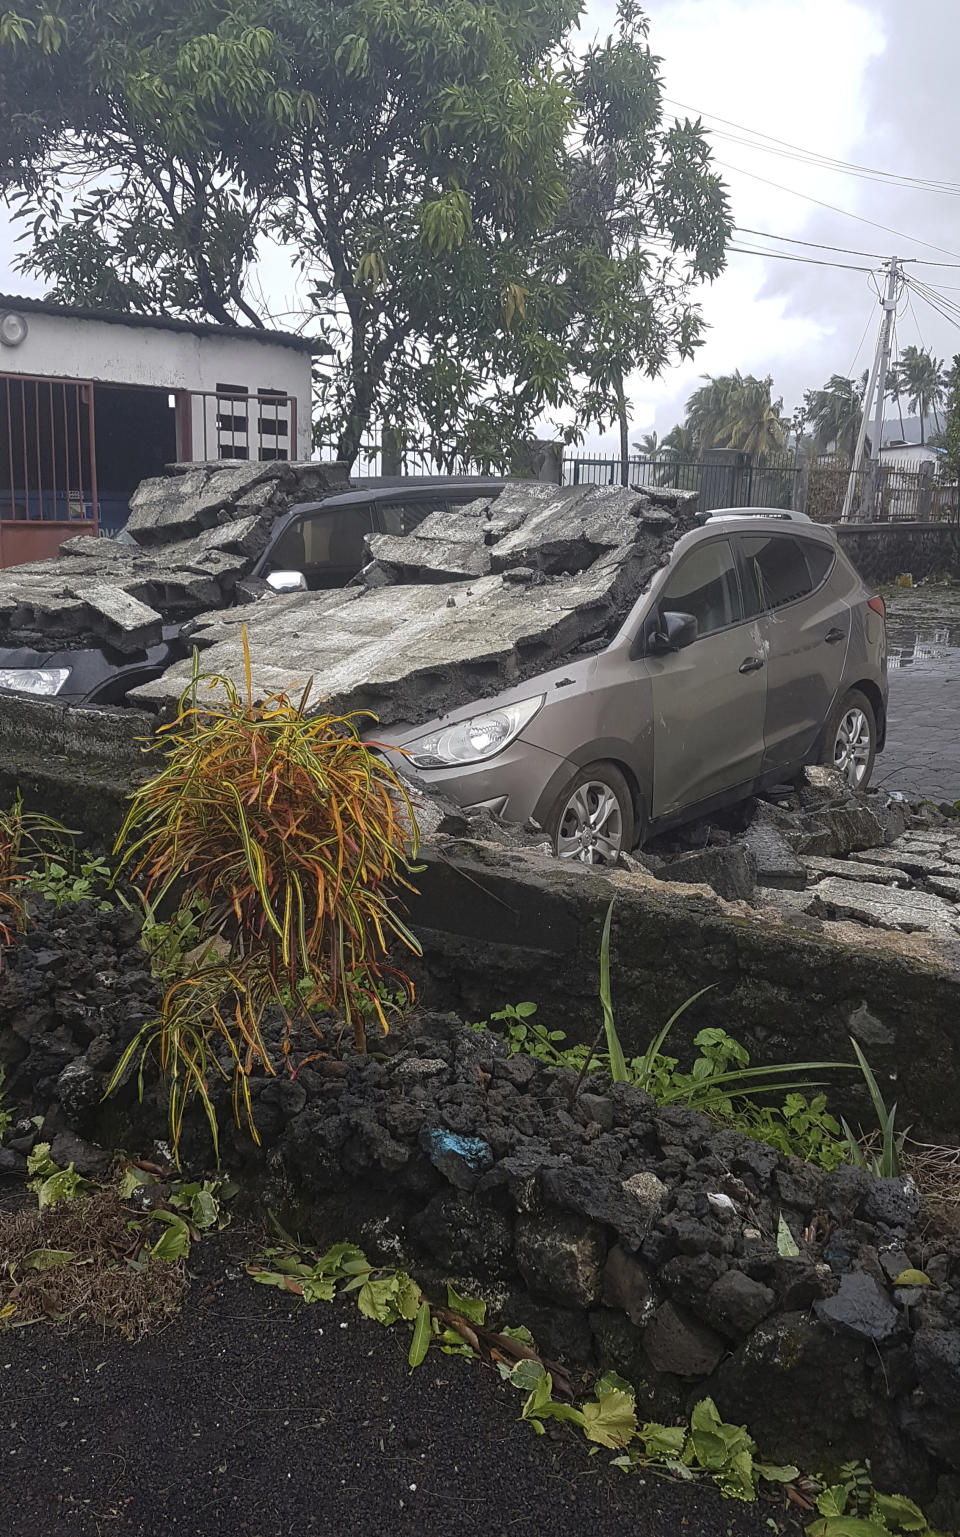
[[923, 383], [834, 413], [679, 450], [679, 443], [896, 389], [708, 408], [755, 425], [736, 411], [649, 446]]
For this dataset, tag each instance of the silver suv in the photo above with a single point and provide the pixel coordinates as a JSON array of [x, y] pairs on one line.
[[755, 650]]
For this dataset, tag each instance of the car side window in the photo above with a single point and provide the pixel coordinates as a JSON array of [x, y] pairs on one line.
[[820, 560], [326, 546], [400, 517], [705, 585], [777, 573]]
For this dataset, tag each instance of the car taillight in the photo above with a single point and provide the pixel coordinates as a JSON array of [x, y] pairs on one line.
[[878, 606]]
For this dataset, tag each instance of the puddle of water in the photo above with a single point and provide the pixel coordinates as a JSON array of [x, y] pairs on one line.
[[935, 646]]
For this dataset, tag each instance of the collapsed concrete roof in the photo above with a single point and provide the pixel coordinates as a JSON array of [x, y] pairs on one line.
[[194, 534], [472, 602]]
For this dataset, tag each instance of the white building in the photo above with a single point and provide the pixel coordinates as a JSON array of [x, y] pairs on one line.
[[910, 456], [92, 402]]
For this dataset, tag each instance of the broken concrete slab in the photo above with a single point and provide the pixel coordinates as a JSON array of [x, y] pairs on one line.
[[886, 907], [839, 829], [919, 865], [99, 590], [846, 870], [173, 507], [729, 868], [449, 642], [127, 623], [776, 863], [945, 886]]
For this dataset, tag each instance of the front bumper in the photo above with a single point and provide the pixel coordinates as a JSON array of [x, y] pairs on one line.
[[521, 782]]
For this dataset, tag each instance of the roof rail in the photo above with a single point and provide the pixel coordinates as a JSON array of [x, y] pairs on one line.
[[778, 514]]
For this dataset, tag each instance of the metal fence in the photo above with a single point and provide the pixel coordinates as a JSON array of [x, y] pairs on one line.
[[899, 491], [722, 479]]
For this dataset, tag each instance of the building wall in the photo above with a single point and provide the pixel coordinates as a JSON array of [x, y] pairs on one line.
[[63, 347], [910, 456]]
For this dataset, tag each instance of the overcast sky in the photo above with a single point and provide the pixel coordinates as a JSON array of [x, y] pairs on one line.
[[870, 83], [873, 84]]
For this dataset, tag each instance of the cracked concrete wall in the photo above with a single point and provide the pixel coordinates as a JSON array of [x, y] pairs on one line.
[[503, 926], [883, 551], [77, 765]]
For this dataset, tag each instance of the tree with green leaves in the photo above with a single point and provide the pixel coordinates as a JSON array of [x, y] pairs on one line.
[[951, 434], [649, 446], [921, 380], [489, 225], [834, 414]]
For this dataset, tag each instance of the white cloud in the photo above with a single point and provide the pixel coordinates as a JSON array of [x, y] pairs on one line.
[[792, 69]]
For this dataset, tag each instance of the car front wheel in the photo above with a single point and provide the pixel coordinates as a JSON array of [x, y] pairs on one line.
[[850, 745], [593, 819]]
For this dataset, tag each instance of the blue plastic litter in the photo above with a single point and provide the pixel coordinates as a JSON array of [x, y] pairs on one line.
[[444, 1144]]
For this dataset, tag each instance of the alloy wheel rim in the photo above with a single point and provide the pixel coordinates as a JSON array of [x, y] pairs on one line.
[[851, 752], [591, 827]]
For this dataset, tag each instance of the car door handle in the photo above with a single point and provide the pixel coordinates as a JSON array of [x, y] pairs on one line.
[[751, 664], [833, 637]]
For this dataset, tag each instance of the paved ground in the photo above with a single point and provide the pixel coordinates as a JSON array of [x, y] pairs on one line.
[[922, 756], [253, 1415]]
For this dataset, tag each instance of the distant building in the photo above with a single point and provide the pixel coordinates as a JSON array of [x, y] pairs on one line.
[[92, 402], [907, 429], [910, 455]]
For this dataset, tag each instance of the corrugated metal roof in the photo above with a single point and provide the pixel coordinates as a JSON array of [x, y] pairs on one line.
[[23, 305]]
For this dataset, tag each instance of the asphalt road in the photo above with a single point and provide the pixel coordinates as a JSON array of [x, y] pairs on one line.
[[922, 755]]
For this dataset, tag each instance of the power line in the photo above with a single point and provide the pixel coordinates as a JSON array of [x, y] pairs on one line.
[[837, 168], [786, 256], [930, 296], [861, 219], [818, 245], [822, 245], [829, 161]]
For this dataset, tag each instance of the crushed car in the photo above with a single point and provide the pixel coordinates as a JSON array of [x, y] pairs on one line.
[[111, 614], [601, 660]]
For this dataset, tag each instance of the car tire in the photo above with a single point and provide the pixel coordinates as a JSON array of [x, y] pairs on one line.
[[593, 820], [850, 741]]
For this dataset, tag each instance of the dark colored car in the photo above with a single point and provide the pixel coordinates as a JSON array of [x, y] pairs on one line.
[[318, 545]]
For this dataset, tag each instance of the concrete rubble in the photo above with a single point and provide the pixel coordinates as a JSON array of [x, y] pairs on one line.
[[822, 853], [473, 602], [193, 535]]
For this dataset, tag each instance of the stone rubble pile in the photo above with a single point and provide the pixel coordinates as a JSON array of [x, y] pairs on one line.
[[191, 536], [620, 1232], [824, 852]]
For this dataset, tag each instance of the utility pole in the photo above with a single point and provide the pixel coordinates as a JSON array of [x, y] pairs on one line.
[[876, 391]]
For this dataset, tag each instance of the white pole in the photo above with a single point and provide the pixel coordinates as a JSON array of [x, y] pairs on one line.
[[878, 375]]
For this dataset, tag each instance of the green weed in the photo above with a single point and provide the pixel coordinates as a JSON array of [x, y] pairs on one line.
[[60, 880]]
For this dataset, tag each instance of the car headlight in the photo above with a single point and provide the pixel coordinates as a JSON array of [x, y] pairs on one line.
[[34, 680], [474, 739]]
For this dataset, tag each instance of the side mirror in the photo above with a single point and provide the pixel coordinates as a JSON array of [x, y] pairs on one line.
[[673, 632], [287, 581]]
